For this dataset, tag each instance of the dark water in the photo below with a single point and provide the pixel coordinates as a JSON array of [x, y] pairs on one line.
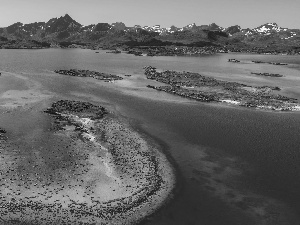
[[235, 166]]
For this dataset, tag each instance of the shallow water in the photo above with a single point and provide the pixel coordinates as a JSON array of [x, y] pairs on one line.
[[236, 166]]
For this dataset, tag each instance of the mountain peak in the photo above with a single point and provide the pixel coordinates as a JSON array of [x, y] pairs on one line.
[[67, 18], [214, 26], [233, 29], [268, 27]]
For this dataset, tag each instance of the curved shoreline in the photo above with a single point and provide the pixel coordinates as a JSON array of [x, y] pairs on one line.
[[121, 178]]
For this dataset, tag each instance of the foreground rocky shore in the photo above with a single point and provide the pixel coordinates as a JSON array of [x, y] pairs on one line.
[[208, 89], [115, 176]]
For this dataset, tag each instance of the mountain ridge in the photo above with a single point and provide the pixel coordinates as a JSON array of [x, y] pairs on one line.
[[65, 29]]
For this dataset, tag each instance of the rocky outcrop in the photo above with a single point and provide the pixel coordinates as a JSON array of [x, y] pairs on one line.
[[234, 60], [133, 165], [267, 74], [207, 89], [2, 134], [273, 63], [88, 73]]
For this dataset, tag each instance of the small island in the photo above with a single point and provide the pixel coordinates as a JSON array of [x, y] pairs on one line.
[[88, 73], [268, 74], [234, 60], [273, 63], [207, 89]]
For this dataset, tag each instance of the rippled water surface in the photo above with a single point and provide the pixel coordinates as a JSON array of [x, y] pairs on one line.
[[235, 165]]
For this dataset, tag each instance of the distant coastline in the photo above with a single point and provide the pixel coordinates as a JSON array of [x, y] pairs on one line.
[[65, 32]]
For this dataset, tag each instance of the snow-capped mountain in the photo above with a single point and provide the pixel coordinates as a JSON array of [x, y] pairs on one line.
[[66, 29], [269, 28]]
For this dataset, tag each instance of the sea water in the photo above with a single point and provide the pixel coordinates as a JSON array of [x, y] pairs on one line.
[[235, 165]]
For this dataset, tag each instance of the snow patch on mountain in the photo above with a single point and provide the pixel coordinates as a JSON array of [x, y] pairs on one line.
[[268, 28]]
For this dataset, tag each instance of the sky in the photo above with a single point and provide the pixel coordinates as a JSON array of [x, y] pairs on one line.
[[225, 13]]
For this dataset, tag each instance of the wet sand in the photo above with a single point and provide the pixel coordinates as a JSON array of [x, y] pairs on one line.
[[104, 172]]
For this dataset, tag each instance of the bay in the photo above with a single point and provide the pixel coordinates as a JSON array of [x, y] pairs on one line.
[[235, 165]]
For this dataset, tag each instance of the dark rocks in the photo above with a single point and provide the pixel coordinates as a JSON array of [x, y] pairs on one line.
[[88, 73], [76, 107], [234, 60], [268, 74], [135, 52], [273, 63], [114, 51], [2, 134], [173, 50], [208, 89]]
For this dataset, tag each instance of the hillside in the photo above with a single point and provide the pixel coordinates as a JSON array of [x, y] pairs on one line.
[[65, 31]]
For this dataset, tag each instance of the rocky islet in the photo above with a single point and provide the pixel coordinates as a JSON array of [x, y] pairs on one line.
[[207, 89], [89, 73]]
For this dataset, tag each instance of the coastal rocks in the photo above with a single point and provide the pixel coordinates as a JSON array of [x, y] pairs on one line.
[[208, 89], [88, 73], [234, 60], [114, 51], [84, 109], [173, 50], [273, 63], [2, 134], [135, 52], [268, 74], [133, 178]]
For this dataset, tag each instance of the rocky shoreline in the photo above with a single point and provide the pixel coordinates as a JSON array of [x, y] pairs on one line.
[[234, 60], [172, 50], [118, 177], [208, 89], [88, 73], [273, 63], [267, 74]]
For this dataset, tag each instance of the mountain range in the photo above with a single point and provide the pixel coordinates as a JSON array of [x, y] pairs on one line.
[[65, 31]]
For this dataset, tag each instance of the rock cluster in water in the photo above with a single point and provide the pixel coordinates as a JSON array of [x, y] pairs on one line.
[[171, 50], [84, 109], [234, 60], [268, 74], [2, 134], [89, 73], [208, 89], [273, 63]]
